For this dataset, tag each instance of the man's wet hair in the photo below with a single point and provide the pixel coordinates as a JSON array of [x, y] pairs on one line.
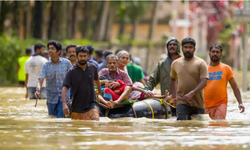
[[188, 40], [56, 44], [99, 52], [111, 56], [83, 49], [38, 46], [216, 46], [106, 53], [90, 48], [28, 51], [69, 46]]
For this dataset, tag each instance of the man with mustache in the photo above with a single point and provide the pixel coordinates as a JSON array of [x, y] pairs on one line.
[[54, 70], [161, 73], [71, 53], [215, 93], [81, 78], [117, 74], [192, 75]]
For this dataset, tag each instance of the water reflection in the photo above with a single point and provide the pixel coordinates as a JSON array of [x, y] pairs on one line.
[[23, 126]]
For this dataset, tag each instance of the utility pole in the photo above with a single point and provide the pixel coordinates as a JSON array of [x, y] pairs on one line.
[[243, 16]]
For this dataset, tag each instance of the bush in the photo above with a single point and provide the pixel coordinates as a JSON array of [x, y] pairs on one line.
[[10, 50]]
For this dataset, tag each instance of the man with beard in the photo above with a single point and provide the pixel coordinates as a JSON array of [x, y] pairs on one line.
[[161, 73], [215, 93], [192, 75], [54, 70], [81, 78], [71, 53], [117, 74]]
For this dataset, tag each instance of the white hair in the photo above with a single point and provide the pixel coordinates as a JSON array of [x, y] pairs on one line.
[[121, 53]]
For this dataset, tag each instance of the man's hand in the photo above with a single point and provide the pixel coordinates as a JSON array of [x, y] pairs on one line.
[[188, 96], [241, 108], [149, 93], [65, 109], [114, 85], [37, 93]]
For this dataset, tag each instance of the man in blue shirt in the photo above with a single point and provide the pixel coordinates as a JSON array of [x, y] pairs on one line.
[[54, 70], [90, 59]]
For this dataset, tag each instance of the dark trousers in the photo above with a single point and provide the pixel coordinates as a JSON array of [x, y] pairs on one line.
[[184, 112]]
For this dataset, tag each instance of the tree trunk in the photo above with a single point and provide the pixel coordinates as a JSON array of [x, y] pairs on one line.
[[59, 26], [37, 20], [72, 7], [85, 27], [102, 25], [21, 23], [121, 29], [51, 18], [133, 34], [109, 24], [153, 21], [46, 15], [28, 21], [97, 22], [151, 31], [69, 19]]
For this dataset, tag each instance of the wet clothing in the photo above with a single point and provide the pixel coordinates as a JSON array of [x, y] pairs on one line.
[[135, 72], [92, 114], [217, 112], [215, 93], [55, 109], [21, 72], [119, 75], [54, 78], [189, 74], [82, 84], [184, 112], [32, 90], [21, 83], [161, 74], [33, 67]]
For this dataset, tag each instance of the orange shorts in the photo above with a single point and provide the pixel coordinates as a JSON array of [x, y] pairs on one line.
[[217, 112], [92, 114]]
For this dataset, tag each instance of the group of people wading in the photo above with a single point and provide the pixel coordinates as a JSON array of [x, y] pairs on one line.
[[183, 80]]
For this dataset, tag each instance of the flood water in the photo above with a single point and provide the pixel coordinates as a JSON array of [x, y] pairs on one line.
[[23, 126]]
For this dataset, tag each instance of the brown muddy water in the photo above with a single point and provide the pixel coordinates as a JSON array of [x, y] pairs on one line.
[[23, 126]]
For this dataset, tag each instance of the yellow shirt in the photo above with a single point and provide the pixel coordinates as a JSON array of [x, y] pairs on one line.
[[21, 71]]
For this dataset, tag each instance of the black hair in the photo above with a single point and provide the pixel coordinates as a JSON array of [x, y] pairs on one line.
[[216, 46], [64, 53], [83, 49], [188, 40], [38, 46], [69, 46], [99, 52], [28, 51], [117, 51], [90, 48], [56, 44], [106, 53]]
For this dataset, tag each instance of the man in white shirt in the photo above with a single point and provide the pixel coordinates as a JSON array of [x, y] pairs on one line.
[[32, 69]]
